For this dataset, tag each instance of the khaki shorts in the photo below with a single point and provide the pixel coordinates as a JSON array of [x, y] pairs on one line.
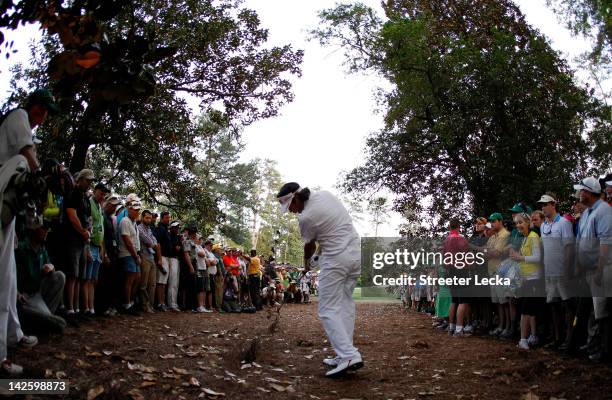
[[557, 288], [499, 294], [600, 303]]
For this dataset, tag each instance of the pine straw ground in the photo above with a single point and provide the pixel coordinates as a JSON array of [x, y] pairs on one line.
[[187, 356]]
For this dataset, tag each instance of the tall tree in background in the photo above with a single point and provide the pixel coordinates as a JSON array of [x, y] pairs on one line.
[[379, 210], [122, 71], [274, 233], [482, 112]]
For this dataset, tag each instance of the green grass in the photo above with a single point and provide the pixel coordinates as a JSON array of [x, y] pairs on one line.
[[373, 295]]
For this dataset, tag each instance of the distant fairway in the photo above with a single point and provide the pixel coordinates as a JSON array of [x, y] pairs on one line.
[[372, 294]]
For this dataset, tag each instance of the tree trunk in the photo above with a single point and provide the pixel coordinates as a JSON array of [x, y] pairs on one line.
[[79, 155]]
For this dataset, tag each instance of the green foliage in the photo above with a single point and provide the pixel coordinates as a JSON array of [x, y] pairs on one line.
[[276, 234], [591, 19], [482, 112], [127, 115]]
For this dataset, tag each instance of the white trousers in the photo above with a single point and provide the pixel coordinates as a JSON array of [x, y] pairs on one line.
[[10, 329], [172, 266], [337, 280]]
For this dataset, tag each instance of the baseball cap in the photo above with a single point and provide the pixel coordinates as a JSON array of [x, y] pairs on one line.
[[590, 184], [85, 174], [102, 187], [608, 183], [496, 217], [132, 197], [135, 205], [175, 224], [45, 98], [112, 199], [520, 208], [547, 199]]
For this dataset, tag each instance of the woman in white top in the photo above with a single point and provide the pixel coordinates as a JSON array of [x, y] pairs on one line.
[[324, 220]]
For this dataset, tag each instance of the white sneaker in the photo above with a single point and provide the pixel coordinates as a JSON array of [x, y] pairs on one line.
[[11, 369], [496, 331], [468, 329], [351, 364], [206, 310], [523, 344], [28, 341], [532, 340], [331, 362]]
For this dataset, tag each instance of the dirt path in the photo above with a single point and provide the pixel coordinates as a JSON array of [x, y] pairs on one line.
[[173, 356]]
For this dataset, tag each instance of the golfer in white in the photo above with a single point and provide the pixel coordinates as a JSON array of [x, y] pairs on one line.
[[324, 219]]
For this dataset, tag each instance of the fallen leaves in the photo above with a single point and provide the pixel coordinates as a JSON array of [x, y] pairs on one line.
[[211, 392], [530, 396], [180, 371], [82, 364], [135, 394], [95, 392]]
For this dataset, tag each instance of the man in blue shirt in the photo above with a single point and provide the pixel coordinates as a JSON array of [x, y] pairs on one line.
[[594, 245]]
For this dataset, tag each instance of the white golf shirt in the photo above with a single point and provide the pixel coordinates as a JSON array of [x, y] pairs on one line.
[[325, 220]]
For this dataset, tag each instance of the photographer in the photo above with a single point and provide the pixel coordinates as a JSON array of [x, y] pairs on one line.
[[17, 154]]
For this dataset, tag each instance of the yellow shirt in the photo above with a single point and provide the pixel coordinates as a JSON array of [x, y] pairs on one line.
[[529, 269], [52, 210], [497, 242], [254, 266]]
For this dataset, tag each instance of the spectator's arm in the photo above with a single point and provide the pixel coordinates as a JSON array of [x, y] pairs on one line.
[[158, 255], [188, 261], [130, 246], [604, 251], [76, 223], [143, 238], [29, 152]]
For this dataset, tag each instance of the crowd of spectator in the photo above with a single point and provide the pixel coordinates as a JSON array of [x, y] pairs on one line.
[[84, 252], [558, 266]]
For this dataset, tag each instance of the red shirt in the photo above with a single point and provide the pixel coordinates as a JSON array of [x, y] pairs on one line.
[[231, 264], [455, 243]]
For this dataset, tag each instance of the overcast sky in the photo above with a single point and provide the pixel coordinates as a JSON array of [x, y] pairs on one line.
[[321, 134]]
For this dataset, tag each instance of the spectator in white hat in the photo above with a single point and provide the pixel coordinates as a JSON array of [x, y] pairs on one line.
[[129, 257], [557, 241], [594, 247]]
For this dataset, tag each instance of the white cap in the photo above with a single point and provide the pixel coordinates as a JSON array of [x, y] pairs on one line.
[[175, 224], [547, 199], [285, 201], [608, 183], [112, 199], [132, 197], [590, 184], [135, 205]]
